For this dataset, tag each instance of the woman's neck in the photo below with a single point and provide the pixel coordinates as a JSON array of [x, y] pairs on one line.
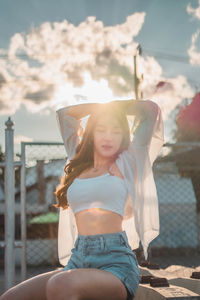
[[103, 164]]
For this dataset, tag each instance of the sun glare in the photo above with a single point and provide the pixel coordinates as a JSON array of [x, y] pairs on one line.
[[91, 91]]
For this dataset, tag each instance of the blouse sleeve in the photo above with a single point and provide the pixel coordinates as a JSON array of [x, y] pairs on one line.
[[148, 131], [69, 128], [67, 229], [144, 148]]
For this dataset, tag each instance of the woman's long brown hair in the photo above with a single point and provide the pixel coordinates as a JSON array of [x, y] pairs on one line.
[[84, 153]]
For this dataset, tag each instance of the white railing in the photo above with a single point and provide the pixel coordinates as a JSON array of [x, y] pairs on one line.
[[9, 244]]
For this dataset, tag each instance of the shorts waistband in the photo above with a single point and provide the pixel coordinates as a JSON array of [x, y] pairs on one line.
[[119, 237]]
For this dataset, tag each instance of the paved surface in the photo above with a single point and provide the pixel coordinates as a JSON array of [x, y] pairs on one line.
[[163, 261]]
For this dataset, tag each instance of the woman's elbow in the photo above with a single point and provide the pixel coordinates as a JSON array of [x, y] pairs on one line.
[[152, 107]]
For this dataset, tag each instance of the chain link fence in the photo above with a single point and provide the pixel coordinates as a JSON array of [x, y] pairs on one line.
[[177, 177], [44, 166]]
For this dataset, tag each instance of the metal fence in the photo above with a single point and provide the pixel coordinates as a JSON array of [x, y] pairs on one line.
[[177, 176], [44, 166]]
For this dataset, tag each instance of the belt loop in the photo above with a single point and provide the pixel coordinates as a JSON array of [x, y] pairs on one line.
[[123, 240], [102, 242]]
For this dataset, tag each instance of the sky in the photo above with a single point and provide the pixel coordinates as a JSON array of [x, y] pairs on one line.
[[59, 53]]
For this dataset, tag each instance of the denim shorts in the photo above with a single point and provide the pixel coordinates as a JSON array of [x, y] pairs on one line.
[[110, 252]]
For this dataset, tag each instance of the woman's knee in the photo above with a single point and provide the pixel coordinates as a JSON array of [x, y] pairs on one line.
[[61, 283]]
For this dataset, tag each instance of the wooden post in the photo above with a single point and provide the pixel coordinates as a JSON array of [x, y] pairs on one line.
[[136, 79]]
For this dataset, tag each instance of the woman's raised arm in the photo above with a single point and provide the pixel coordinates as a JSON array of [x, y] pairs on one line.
[[148, 127], [81, 110], [140, 108], [130, 107]]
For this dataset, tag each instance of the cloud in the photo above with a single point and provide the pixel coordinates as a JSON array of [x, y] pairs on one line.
[[168, 92], [56, 54], [2, 80], [60, 63], [38, 96], [193, 52], [195, 12]]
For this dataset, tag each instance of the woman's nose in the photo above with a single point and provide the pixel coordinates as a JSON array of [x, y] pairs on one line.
[[108, 135]]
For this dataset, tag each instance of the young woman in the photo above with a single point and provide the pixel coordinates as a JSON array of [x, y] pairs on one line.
[[108, 202]]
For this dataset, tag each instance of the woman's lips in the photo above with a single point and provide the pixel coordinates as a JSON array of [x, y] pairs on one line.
[[106, 147]]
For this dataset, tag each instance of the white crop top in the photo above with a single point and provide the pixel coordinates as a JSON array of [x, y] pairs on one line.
[[105, 191]]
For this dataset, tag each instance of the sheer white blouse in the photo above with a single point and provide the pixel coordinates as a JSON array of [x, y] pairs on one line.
[[141, 213]]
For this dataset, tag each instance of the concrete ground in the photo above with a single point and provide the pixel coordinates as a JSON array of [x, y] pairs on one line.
[[163, 262]]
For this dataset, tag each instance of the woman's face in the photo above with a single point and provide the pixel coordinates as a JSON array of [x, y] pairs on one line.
[[107, 132]]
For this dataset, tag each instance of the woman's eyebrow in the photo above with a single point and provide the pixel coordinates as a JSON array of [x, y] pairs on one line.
[[101, 125]]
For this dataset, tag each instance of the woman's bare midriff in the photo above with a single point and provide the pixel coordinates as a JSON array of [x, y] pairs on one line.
[[97, 220]]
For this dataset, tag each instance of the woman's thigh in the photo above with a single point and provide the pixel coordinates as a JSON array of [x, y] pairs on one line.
[[89, 283], [33, 288]]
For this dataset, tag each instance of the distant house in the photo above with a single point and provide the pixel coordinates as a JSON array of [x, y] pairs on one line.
[[41, 182]]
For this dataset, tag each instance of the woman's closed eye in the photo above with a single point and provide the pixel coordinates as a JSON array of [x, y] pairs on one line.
[[103, 130], [117, 132]]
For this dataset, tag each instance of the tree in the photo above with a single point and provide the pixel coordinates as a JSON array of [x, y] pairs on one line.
[[188, 121], [2, 159], [188, 130]]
